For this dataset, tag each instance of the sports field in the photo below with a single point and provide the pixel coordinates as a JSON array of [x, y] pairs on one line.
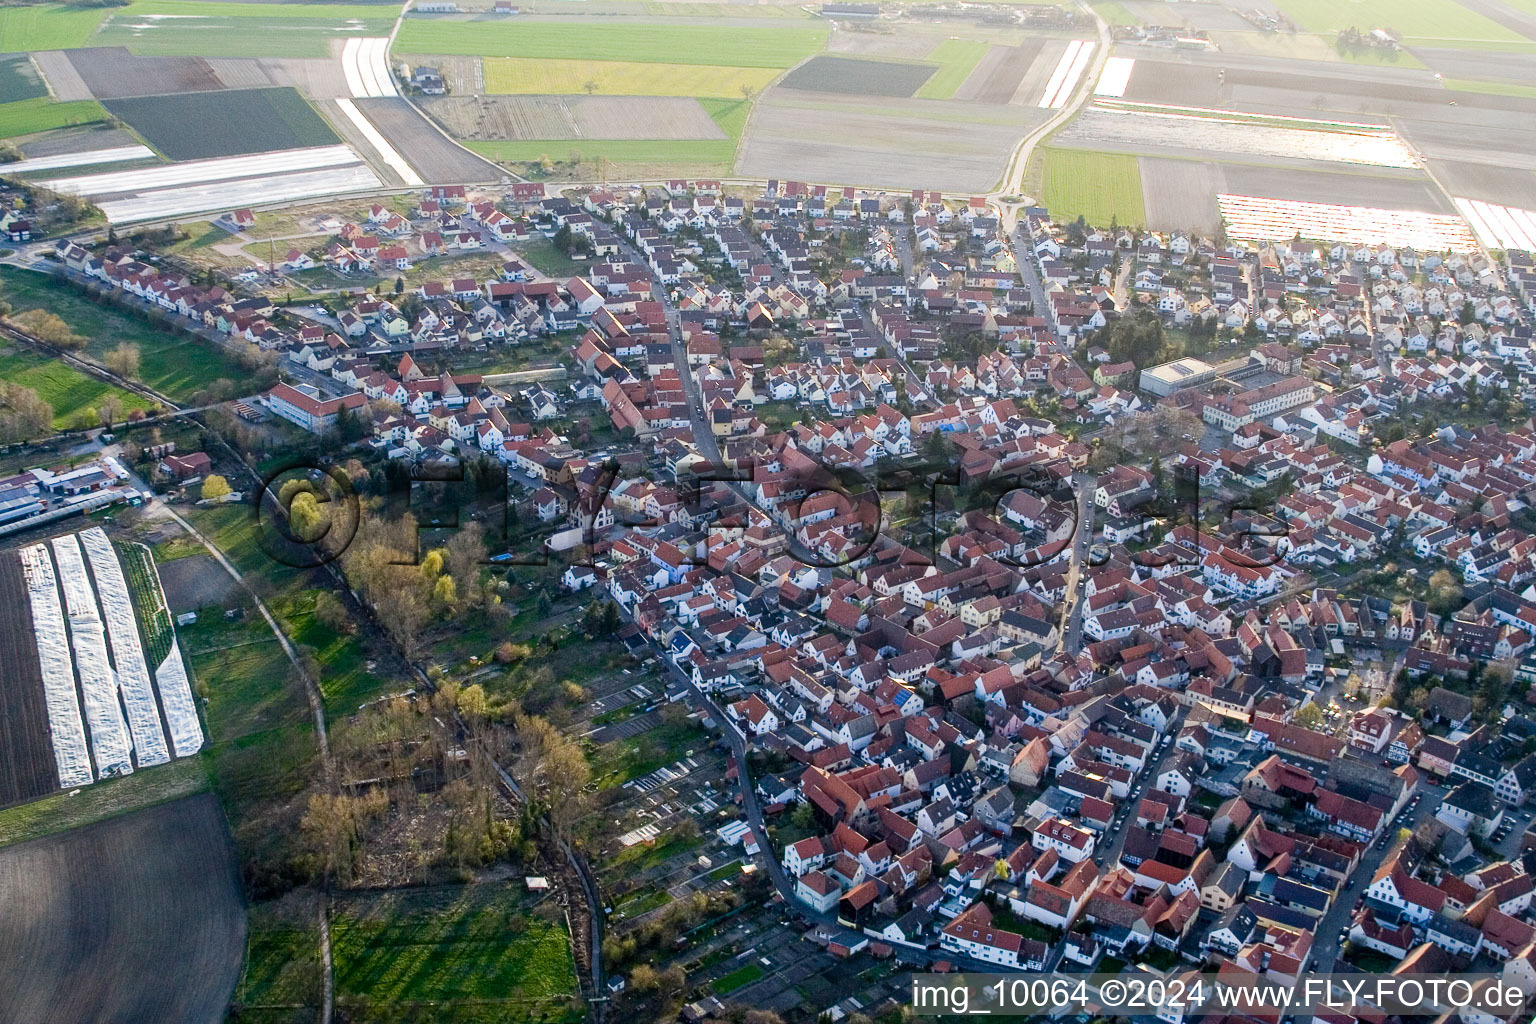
[[622, 78], [39, 115], [957, 58], [1434, 22], [1100, 187], [646, 42]]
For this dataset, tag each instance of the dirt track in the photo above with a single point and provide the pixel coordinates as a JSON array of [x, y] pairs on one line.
[[138, 918], [27, 766]]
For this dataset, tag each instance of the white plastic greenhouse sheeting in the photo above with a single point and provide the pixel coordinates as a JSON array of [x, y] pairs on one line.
[[127, 655], [98, 687], [64, 725], [180, 709]]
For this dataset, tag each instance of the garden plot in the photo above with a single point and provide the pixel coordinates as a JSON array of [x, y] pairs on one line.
[[58, 669], [1102, 127], [133, 680], [110, 745], [1256, 218]]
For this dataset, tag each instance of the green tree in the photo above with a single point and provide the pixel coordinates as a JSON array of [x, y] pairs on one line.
[[214, 487]]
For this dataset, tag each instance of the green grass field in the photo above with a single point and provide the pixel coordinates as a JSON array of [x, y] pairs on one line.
[[19, 80], [282, 956], [66, 389], [721, 10], [622, 78], [637, 156], [173, 363], [1096, 186], [168, 28], [645, 42], [957, 59], [1430, 22], [47, 27], [1116, 13], [739, 978], [473, 953], [24, 117]]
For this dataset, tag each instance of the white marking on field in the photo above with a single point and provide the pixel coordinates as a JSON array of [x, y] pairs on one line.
[[98, 685], [1500, 227], [1254, 217], [376, 139], [65, 727], [365, 63], [199, 171], [127, 656], [117, 154], [1115, 77], [1063, 81]]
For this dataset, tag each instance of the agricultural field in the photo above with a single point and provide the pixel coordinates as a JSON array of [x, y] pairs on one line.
[[47, 27], [113, 72], [645, 157], [27, 766], [216, 29], [232, 123], [1435, 22], [621, 78], [956, 58], [1100, 187], [649, 42], [476, 953], [74, 397], [24, 117], [172, 362], [853, 77], [136, 918], [19, 80], [432, 156], [486, 118]]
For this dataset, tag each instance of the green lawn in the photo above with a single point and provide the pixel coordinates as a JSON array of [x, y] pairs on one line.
[[47, 27], [70, 392], [174, 363], [616, 763], [24, 117], [282, 956], [958, 58], [739, 978], [637, 156], [666, 43], [478, 949], [1427, 22], [1096, 186], [105, 799]]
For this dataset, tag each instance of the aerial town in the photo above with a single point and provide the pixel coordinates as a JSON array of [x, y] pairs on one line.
[[453, 581]]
